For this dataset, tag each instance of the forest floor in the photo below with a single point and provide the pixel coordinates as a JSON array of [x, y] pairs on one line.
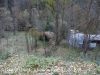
[[14, 66], [62, 60]]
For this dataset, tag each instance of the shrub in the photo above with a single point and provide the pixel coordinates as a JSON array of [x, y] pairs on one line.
[[41, 43], [13, 74], [5, 55], [49, 28], [39, 63], [55, 73]]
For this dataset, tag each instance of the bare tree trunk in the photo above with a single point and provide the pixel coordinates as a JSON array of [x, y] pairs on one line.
[[56, 29], [27, 42], [32, 44], [85, 41], [57, 22], [7, 36], [35, 44], [31, 41], [15, 26], [62, 28]]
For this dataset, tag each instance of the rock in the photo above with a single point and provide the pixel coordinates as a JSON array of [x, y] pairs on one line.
[[48, 36]]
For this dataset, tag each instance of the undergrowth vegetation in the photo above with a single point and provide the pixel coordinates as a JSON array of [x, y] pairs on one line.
[[34, 63], [4, 55], [55, 73], [41, 43], [72, 54]]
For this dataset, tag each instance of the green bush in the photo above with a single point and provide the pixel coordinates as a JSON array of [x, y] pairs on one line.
[[55, 73], [13, 74], [39, 63], [49, 28], [41, 43], [4, 55]]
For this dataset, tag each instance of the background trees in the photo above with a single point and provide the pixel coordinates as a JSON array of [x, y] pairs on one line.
[[58, 16]]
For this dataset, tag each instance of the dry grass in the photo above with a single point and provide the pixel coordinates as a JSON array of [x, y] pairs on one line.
[[15, 43], [60, 52]]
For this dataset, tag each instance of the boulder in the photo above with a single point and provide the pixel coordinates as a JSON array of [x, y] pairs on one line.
[[48, 36]]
